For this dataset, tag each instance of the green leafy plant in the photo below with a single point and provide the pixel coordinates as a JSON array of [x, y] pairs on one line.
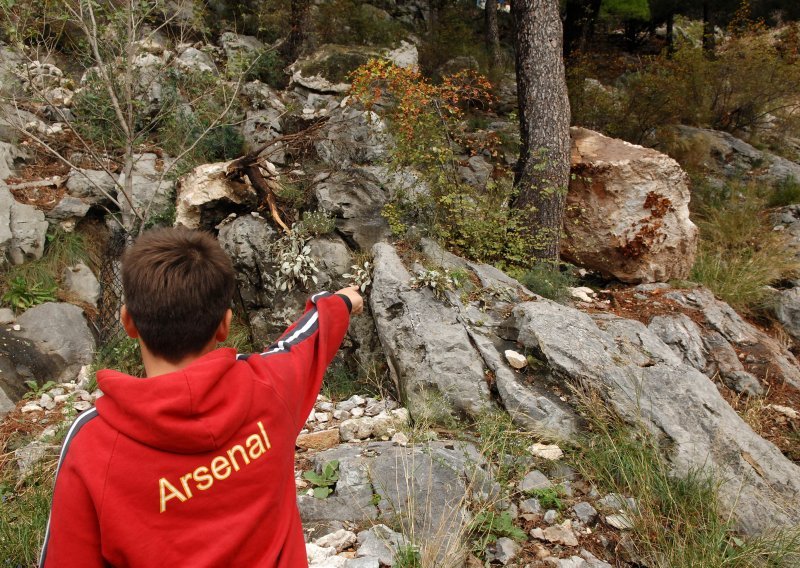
[[549, 497], [36, 390], [295, 263], [316, 223], [21, 294], [488, 526], [407, 556], [361, 275], [439, 281], [548, 281], [786, 192], [325, 482]]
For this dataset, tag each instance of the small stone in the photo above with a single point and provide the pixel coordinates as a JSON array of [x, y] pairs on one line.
[[6, 316], [357, 412], [400, 439], [505, 550], [325, 406], [540, 551], [56, 391], [339, 540], [59, 398], [341, 415], [81, 405], [357, 400], [16, 327], [621, 522], [322, 440], [561, 534], [374, 408], [535, 480], [593, 561], [785, 410], [363, 562], [550, 516], [28, 456], [312, 417], [346, 406], [571, 562], [584, 512], [531, 507], [546, 451], [31, 407], [316, 553], [322, 417], [582, 294], [516, 360]]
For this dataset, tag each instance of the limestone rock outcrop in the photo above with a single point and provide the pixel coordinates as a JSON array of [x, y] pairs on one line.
[[627, 213]]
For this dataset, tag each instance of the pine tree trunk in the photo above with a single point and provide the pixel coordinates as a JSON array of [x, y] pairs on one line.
[[298, 21], [542, 172], [492, 33]]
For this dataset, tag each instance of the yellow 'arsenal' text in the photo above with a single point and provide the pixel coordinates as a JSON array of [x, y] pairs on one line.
[[220, 468]]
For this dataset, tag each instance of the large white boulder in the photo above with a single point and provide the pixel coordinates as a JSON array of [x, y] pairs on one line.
[[206, 196], [627, 211]]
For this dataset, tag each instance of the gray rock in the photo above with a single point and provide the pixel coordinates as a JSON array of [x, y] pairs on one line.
[[379, 542], [426, 344], [29, 456], [530, 507], [505, 550], [148, 192], [585, 512], [787, 310], [571, 562], [535, 480], [68, 208], [9, 156], [353, 137], [476, 172], [769, 356], [248, 240], [22, 230], [339, 540], [730, 157], [20, 361], [7, 316], [261, 126], [743, 383], [59, 332], [675, 401], [206, 197], [193, 59], [333, 259], [239, 45], [550, 516], [592, 561], [92, 186], [683, 336], [81, 282]]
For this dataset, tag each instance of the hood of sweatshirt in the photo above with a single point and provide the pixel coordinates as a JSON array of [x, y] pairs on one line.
[[194, 410]]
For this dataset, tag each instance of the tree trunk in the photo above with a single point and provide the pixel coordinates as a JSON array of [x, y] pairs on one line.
[[709, 39], [542, 172], [671, 33], [492, 33], [298, 32]]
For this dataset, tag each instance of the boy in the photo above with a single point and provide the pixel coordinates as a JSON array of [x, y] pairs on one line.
[[194, 464]]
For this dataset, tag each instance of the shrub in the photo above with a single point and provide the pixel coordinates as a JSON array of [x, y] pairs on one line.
[[350, 21], [739, 254], [548, 281], [786, 192], [750, 82], [427, 120], [316, 223], [676, 522]]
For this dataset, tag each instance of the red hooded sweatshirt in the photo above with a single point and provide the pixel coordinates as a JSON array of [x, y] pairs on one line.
[[196, 467]]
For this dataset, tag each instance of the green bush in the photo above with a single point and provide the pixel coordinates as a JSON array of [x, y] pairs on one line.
[[786, 192], [350, 21], [677, 522], [749, 80], [547, 281], [739, 253]]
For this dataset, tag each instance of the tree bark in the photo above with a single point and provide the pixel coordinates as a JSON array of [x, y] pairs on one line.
[[298, 32], [709, 38], [542, 172], [492, 33]]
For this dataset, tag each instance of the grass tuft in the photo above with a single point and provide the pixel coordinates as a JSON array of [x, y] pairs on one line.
[[677, 520], [739, 252]]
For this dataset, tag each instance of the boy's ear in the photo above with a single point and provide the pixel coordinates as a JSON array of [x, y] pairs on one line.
[[224, 327], [127, 323]]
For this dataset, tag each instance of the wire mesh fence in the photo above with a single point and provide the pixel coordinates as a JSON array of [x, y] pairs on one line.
[[107, 323]]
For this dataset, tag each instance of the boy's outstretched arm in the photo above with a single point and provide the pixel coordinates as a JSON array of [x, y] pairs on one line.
[[298, 360]]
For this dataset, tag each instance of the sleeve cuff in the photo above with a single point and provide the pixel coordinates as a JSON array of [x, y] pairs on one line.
[[347, 302]]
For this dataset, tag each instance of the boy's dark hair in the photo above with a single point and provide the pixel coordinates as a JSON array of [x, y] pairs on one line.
[[178, 285]]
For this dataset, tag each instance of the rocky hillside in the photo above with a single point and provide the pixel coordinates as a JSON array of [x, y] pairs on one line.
[[630, 418]]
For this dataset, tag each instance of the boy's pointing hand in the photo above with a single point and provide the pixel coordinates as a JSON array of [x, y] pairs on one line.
[[355, 298]]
